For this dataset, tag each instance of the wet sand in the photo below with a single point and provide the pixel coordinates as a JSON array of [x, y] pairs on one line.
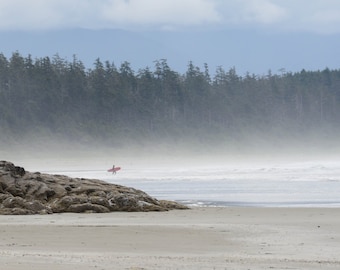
[[200, 238]]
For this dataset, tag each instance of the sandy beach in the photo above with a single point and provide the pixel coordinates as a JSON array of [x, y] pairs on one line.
[[200, 238]]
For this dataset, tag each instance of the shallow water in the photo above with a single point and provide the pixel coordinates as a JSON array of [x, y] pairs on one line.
[[313, 184]]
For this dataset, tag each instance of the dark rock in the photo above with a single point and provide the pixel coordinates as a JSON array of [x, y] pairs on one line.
[[172, 205], [14, 170], [23, 193]]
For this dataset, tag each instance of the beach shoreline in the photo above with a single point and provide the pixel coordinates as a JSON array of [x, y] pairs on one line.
[[199, 238]]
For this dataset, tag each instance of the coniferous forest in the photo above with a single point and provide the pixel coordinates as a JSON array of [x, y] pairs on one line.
[[53, 97]]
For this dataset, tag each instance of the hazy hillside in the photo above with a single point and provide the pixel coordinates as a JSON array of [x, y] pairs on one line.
[[51, 99]]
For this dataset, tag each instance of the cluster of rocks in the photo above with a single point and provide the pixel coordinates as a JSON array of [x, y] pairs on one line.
[[23, 192]]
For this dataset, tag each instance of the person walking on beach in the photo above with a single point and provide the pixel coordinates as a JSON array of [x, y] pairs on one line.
[[113, 169]]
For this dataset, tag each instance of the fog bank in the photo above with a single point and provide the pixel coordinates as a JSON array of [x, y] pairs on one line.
[[43, 154]]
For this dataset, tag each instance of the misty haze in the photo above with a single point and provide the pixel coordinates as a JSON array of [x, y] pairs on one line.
[[200, 137]]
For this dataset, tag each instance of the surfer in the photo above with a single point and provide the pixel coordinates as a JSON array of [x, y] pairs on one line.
[[114, 169]]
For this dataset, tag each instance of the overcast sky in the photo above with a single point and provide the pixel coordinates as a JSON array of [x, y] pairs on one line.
[[315, 17], [322, 16]]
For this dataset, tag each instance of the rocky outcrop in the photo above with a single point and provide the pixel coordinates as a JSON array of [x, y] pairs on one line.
[[23, 192]]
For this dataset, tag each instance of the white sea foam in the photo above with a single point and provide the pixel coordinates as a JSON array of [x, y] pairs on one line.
[[297, 184]]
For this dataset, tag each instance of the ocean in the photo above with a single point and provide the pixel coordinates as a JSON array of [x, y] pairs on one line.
[[300, 184]]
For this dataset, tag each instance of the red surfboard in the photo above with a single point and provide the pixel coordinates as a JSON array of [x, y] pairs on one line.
[[114, 170]]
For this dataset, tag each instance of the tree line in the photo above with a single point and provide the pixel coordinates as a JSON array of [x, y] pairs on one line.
[[54, 96]]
